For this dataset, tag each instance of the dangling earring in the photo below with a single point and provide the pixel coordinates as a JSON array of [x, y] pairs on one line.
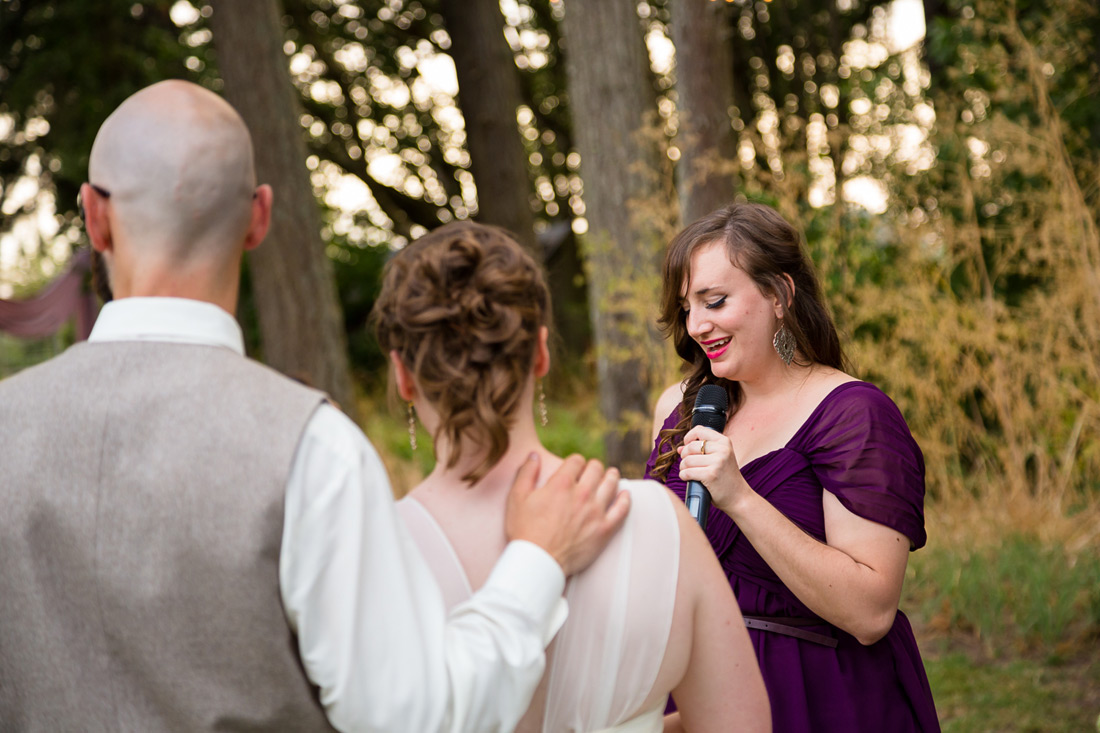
[[412, 427], [543, 417], [784, 343]]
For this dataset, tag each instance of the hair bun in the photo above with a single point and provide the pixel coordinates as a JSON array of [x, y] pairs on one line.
[[463, 306]]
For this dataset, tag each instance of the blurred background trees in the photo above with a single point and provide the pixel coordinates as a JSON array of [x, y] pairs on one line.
[[946, 182]]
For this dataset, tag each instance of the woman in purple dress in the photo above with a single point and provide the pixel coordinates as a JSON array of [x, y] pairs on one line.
[[818, 486]]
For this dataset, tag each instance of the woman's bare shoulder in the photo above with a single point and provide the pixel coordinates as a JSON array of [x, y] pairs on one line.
[[822, 380], [666, 403]]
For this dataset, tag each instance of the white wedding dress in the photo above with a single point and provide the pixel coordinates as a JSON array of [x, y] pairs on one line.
[[603, 663]]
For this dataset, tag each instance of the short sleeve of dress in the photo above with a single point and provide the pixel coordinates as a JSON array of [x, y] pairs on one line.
[[862, 452]]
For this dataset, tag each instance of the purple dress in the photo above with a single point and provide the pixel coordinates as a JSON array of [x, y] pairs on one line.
[[856, 445]]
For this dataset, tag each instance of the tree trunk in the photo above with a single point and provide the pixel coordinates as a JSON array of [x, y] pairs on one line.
[[703, 37], [489, 94], [300, 320], [607, 68]]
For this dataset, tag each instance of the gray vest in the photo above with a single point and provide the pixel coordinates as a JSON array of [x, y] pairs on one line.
[[141, 516]]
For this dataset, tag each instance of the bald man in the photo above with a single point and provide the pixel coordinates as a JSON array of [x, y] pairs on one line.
[[190, 541]]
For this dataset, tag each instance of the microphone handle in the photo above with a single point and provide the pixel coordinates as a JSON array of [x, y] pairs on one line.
[[697, 499]]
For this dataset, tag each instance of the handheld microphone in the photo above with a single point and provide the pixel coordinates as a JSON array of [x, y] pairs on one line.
[[710, 410]]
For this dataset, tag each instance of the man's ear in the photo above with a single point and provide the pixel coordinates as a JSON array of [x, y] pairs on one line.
[[542, 353], [261, 217], [97, 221], [406, 386]]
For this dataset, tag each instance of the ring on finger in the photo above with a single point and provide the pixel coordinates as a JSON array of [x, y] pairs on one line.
[[703, 449]]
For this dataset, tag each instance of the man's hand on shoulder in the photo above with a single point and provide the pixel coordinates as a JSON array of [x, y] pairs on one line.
[[573, 515]]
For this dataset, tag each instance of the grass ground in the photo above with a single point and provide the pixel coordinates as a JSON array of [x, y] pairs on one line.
[[1020, 694], [1010, 635], [1008, 622]]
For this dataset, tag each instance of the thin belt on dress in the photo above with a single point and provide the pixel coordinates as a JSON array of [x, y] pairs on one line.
[[788, 626]]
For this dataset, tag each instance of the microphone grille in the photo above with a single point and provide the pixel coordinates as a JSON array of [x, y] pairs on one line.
[[713, 395], [710, 407]]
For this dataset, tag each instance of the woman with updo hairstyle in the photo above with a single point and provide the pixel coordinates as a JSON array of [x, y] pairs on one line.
[[817, 483], [464, 314]]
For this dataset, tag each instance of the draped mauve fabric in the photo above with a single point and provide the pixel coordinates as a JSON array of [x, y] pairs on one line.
[[857, 446], [64, 298], [603, 663]]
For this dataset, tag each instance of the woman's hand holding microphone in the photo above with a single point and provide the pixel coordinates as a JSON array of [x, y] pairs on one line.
[[707, 456]]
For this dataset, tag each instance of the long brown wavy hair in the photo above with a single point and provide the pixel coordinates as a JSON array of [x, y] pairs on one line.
[[462, 307], [767, 248]]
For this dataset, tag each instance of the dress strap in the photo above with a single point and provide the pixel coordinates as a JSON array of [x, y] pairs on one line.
[[437, 550]]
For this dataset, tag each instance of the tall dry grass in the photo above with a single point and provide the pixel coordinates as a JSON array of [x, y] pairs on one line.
[[988, 333]]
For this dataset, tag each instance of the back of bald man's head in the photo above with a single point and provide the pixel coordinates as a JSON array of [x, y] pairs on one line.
[[177, 160]]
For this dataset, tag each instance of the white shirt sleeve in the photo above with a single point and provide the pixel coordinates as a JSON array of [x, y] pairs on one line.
[[372, 630]]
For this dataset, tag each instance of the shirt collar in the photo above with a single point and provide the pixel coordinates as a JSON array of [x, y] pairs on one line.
[[170, 320]]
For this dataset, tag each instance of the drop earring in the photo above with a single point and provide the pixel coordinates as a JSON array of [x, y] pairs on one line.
[[543, 416], [784, 343], [412, 426]]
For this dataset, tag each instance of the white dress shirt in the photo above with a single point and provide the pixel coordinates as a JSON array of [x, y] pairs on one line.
[[372, 631]]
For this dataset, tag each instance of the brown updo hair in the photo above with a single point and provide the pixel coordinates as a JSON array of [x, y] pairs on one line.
[[769, 250], [462, 307]]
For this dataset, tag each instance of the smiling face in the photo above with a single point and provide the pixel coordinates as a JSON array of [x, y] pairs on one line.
[[728, 316]]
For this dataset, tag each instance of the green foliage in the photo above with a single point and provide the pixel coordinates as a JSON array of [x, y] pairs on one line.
[[1019, 596], [364, 87], [547, 133], [573, 427], [385, 422], [17, 354], [358, 271], [791, 61]]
